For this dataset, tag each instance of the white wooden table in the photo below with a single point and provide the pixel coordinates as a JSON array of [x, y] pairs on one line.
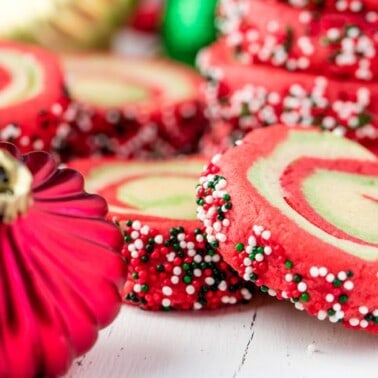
[[266, 338]]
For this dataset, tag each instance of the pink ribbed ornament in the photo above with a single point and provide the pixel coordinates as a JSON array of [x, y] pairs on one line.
[[60, 270]]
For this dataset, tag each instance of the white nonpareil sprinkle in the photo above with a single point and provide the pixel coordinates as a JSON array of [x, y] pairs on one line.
[[302, 287], [330, 277], [138, 243], [197, 306], [134, 254], [314, 271], [267, 250], [222, 286], [158, 239], [167, 290], [177, 270], [288, 277], [136, 225], [190, 289], [363, 310], [322, 315], [175, 280], [330, 298], [354, 322], [166, 302], [364, 323], [266, 235], [348, 285]]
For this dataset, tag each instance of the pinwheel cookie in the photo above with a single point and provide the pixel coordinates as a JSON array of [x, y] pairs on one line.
[[32, 96], [170, 263], [132, 107], [255, 96], [342, 45], [295, 211]]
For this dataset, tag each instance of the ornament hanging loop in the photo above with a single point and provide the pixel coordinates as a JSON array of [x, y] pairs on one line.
[[15, 187]]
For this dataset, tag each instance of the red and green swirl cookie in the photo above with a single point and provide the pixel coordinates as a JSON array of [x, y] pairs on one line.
[[32, 96], [132, 107], [343, 45], [295, 211], [352, 6], [170, 263], [256, 96], [341, 6]]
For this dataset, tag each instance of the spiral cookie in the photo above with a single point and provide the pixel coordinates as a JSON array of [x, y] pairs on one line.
[[170, 263], [132, 107], [32, 96], [295, 211], [343, 45], [259, 95], [343, 6]]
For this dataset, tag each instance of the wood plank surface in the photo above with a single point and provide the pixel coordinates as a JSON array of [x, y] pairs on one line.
[[265, 338]]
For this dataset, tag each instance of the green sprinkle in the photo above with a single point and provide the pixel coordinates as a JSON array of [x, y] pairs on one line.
[[331, 312], [160, 268], [297, 278], [336, 282], [129, 223], [200, 201], [253, 277], [226, 197], [127, 238], [288, 264], [149, 248], [185, 266], [187, 279], [131, 296], [239, 247], [135, 275], [349, 274], [144, 288], [145, 258], [258, 250], [305, 297], [264, 289], [176, 246], [343, 298], [245, 110], [228, 205]]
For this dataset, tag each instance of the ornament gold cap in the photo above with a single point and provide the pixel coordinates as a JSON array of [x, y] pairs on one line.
[[15, 187]]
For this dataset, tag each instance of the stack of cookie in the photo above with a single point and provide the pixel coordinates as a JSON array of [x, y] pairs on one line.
[[293, 62]]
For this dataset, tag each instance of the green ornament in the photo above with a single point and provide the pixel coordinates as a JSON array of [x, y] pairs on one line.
[[188, 25]]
